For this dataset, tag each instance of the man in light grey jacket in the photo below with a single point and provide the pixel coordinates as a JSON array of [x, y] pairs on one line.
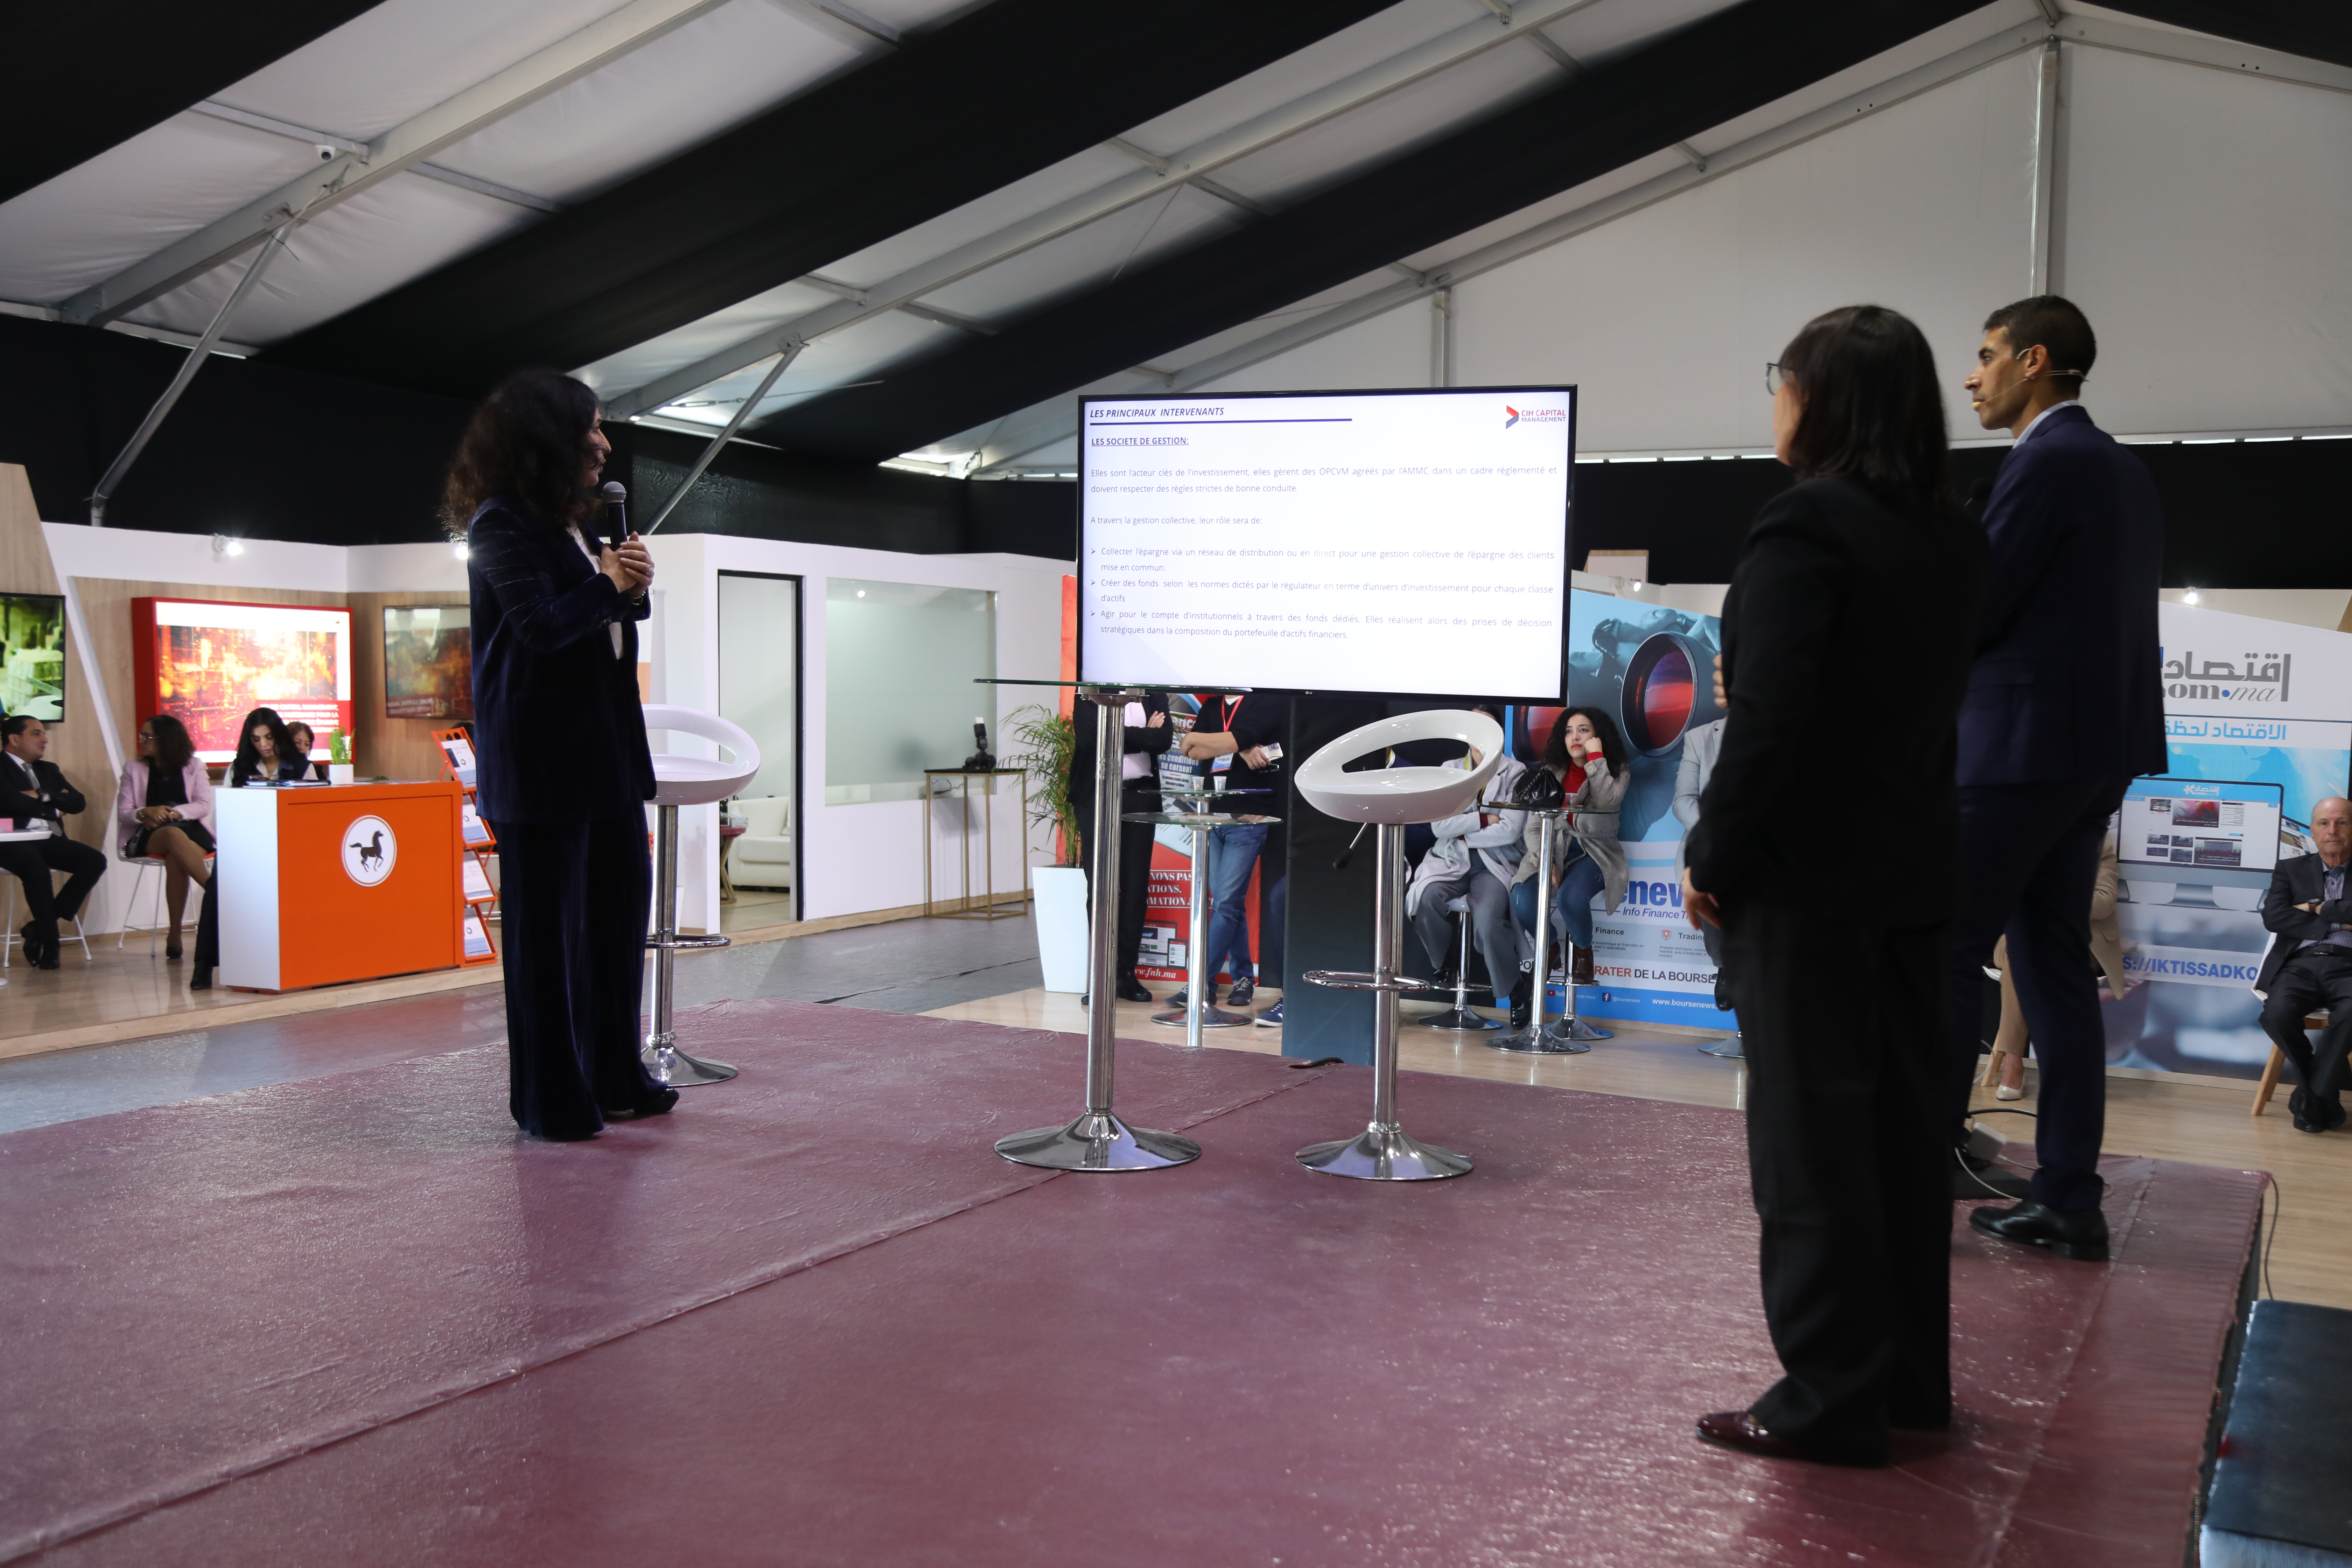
[[1699, 747]]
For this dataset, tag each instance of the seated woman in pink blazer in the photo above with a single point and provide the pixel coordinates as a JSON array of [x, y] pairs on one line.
[[164, 810]]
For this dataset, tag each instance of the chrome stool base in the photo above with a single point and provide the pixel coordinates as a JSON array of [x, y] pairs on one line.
[[675, 1069], [1384, 1152], [1726, 1047], [1560, 1037], [1461, 1021], [1210, 1018], [1098, 1141]]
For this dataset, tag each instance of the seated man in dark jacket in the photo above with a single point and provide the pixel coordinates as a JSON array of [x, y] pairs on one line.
[[32, 791], [2310, 965]]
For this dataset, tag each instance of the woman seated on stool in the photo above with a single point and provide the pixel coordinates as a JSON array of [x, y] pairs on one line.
[[267, 753], [1589, 759], [305, 743], [163, 809]]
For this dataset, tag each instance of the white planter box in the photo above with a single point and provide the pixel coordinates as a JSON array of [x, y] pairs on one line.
[[1061, 893]]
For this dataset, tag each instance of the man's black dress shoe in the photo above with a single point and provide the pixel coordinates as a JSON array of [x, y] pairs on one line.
[[1130, 989], [2080, 1235], [1974, 1178], [37, 944], [2336, 1114], [1740, 1430]]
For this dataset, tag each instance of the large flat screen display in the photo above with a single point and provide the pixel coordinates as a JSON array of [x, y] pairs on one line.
[[33, 655], [207, 664], [428, 661], [1406, 543]]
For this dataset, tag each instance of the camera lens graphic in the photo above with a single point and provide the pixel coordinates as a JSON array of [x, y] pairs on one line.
[[1669, 689]]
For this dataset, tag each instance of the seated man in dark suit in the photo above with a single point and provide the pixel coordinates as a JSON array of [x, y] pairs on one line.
[[2310, 967], [31, 790]]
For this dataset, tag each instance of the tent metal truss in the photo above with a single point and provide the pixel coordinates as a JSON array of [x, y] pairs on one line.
[[346, 173], [1013, 442], [1155, 176]]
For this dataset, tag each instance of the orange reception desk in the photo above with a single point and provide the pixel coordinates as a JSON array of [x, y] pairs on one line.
[[322, 883]]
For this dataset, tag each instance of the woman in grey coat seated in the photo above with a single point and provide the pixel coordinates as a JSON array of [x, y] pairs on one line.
[[1588, 756]]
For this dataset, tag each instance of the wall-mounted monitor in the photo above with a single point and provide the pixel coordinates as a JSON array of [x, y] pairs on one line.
[[209, 663], [33, 655], [428, 662], [1406, 543]]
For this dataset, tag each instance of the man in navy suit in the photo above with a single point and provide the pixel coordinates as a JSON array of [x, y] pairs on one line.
[[2063, 706]]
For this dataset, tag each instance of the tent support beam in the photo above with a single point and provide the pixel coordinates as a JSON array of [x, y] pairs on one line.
[[347, 173], [790, 351], [186, 373]]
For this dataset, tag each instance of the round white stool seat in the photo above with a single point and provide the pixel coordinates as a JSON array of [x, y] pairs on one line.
[[1401, 795]]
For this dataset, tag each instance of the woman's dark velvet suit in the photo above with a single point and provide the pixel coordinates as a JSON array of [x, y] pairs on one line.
[[564, 775]]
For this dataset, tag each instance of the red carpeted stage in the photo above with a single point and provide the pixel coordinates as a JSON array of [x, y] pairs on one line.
[[811, 1319]]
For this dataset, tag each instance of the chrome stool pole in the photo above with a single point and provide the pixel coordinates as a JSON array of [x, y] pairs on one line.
[[663, 1059], [1459, 1019], [1569, 1037], [1384, 1150], [1198, 1014], [1098, 1141]]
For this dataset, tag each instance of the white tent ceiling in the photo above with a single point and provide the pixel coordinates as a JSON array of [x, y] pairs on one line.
[[2150, 109]]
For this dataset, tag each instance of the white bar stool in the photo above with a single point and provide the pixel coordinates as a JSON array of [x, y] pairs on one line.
[[1391, 799], [685, 781]]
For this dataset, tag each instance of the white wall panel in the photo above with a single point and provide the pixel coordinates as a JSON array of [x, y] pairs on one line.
[[1667, 318], [2208, 223]]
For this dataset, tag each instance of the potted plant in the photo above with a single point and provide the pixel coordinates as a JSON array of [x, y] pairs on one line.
[[1047, 739]]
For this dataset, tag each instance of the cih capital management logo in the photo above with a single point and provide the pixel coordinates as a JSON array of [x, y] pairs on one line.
[[1533, 416]]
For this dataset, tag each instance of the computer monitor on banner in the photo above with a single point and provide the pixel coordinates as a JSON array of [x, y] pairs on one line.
[[2199, 830]]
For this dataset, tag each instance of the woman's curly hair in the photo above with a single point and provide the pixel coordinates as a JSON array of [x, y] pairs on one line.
[[524, 444]]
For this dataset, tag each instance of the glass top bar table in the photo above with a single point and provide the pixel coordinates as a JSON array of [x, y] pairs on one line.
[[1098, 1140], [1197, 1014]]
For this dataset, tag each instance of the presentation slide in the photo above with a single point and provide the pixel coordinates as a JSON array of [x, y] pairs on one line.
[[1410, 543]]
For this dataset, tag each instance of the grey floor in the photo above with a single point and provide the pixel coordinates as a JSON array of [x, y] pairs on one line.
[[906, 966]]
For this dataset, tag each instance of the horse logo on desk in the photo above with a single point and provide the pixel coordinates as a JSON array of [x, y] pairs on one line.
[[370, 850]]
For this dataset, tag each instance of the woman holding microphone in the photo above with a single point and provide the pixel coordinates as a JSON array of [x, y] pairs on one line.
[[1588, 757], [560, 742], [1837, 952]]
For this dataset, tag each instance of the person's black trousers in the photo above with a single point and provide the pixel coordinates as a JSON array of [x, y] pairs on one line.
[[1134, 864], [2031, 857], [574, 898], [30, 861], [2306, 983], [1843, 1025]]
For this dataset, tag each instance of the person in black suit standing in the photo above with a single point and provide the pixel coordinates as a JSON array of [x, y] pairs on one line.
[[1839, 987], [560, 738], [1145, 734], [33, 790], [2064, 705], [2309, 966]]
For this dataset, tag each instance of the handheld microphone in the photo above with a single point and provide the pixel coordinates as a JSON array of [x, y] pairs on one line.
[[617, 508]]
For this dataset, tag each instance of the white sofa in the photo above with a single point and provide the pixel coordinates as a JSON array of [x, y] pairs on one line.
[[762, 857]]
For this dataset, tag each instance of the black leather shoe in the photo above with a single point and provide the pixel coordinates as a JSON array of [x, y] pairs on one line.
[[2081, 1235], [38, 944], [1974, 1179], [1738, 1429], [1130, 989], [2336, 1114], [654, 1104]]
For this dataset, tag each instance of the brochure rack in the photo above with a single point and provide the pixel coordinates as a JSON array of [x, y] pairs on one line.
[[478, 890]]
